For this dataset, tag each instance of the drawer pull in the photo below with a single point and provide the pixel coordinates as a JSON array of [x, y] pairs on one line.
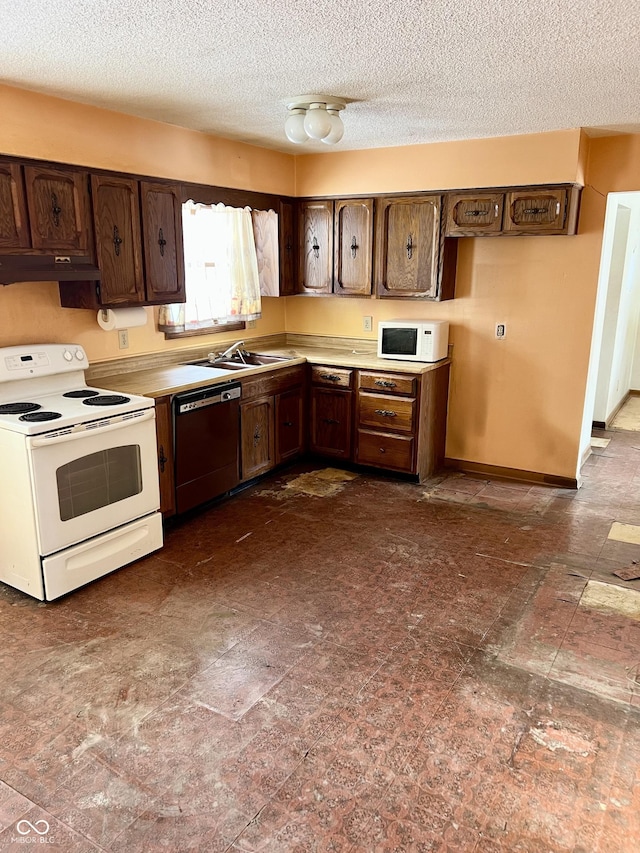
[[385, 383], [535, 211], [330, 421], [331, 377], [386, 413]]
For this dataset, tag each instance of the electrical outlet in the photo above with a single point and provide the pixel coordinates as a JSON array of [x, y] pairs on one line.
[[123, 338], [501, 331], [367, 324]]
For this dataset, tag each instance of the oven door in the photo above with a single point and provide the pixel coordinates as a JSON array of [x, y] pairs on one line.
[[88, 481]]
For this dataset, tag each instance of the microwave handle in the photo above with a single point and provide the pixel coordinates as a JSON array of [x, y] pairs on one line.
[[42, 441]]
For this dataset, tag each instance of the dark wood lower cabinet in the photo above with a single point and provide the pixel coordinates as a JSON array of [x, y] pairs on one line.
[[289, 425], [256, 437], [331, 422], [164, 436]]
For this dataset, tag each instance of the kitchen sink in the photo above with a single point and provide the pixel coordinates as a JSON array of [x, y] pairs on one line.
[[240, 361]]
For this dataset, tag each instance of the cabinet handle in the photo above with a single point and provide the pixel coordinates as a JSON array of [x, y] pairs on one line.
[[385, 383], [354, 247], [117, 239], [56, 210], [162, 459], [535, 211], [382, 450], [331, 377], [386, 413], [161, 242], [316, 248], [330, 421], [409, 247], [257, 435], [287, 423], [477, 212]]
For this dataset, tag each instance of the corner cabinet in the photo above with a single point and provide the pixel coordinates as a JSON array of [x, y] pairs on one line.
[[412, 258]]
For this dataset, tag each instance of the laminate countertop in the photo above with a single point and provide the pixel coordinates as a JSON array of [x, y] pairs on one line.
[[173, 378]]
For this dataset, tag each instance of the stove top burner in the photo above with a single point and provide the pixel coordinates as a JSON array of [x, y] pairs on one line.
[[82, 392], [40, 416], [106, 400], [18, 408]]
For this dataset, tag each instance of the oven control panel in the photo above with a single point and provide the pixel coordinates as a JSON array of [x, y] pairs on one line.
[[41, 360]]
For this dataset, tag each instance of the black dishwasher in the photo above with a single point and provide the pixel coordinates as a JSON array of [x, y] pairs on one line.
[[206, 426]]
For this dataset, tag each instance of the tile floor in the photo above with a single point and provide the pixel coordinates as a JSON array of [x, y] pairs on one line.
[[340, 664]]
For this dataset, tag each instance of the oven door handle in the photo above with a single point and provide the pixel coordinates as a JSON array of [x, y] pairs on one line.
[[122, 422]]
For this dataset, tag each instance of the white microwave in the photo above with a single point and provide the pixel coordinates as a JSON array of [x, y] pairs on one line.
[[413, 340]]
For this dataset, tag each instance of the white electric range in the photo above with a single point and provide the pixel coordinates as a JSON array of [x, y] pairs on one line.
[[80, 494]]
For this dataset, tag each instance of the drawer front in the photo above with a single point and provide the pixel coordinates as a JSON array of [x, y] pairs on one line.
[[336, 377], [391, 383], [393, 414], [385, 451]]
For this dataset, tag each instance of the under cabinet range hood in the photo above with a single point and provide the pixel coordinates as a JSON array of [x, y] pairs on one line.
[[17, 268]]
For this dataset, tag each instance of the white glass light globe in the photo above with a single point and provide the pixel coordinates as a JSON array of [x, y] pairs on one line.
[[294, 127], [337, 128], [317, 123]]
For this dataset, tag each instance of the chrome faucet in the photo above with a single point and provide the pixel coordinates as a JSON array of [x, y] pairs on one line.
[[228, 352]]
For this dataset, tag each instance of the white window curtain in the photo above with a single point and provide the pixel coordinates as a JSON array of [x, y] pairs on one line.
[[221, 269]]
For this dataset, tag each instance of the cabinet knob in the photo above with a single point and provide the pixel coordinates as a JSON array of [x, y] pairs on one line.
[[161, 242], [354, 247], [117, 239], [287, 423], [316, 248], [409, 247], [56, 210], [257, 435], [382, 450]]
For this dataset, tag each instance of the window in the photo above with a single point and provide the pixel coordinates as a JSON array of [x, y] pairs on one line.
[[221, 272]]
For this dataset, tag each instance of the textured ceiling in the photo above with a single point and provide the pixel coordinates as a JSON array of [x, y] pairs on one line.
[[412, 71]]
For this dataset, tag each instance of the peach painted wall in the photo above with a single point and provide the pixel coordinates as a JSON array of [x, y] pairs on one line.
[[529, 159], [515, 403], [47, 128]]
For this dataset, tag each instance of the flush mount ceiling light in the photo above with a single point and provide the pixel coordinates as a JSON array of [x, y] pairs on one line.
[[314, 117]]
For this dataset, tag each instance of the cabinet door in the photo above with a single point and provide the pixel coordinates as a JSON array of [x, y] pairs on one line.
[[289, 425], [536, 211], [408, 243], [58, 202], [474, 214], [116, 212], [316, 247], [256, 437], [162, 242], [164, 434], [331, 422], [14, 225], [353, 240], [287, 239]]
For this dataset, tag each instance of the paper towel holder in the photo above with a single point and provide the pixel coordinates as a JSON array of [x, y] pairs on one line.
[[110, 319]]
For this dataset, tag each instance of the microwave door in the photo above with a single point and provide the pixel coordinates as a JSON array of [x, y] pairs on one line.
[[399, 341]]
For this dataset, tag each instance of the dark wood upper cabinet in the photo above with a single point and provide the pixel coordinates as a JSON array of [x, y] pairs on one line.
[[116, 212], [353, 239], [536, 211], [162, 242], [59, 210], [14, 225], [407, 257], [287, 247], [315, 242], [474, 214]]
